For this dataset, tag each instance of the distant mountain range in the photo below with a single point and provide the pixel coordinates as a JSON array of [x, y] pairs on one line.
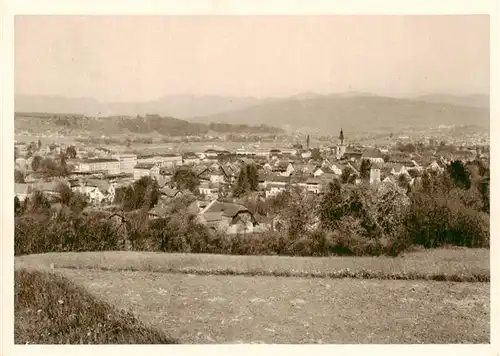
[[307, 111]]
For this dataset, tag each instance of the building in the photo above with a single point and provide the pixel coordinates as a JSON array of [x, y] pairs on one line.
[[272, 189], [227, 217], [284, 169], [127, 162], [340, 149], [373, 155], [146, 170], [107, 165], [190, 158], [208, 190], [374, 174], [98, 191], [163, 161]]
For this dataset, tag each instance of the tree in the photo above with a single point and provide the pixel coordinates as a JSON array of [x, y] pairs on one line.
[[365, 168], [252, 176], [65, 193], [242, 185], [459, 174], [16, 153], [186, 179], [347, 172], [128, 142], [36, 163], [39, 203], [18, 176], [71, 152], [316, 154], [143, 193], [331, 210], [404, 181], [17, 206], [63, 165]]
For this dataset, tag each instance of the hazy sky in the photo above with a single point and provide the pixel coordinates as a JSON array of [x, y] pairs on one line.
[[122, 58]]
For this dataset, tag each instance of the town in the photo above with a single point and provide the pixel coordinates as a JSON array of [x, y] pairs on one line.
[[99, 173]]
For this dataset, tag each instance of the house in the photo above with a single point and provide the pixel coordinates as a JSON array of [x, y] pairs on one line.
[[274, 188], [305, 169], [337, 168], [318, 172], [352, 155], [373, 155], [170, 193], [146, 170], [306, 154], [436, 167], [267, 167], [190, 158], [208, 190], [169, 160], [311, 185], [230, 218], [91, 191], [399, 169], [284, 169], [107, 189]]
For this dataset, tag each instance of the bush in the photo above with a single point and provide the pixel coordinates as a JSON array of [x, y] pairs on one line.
[[64, 232], [444, 219]]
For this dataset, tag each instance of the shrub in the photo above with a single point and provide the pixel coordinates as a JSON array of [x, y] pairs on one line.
[[445, 219]]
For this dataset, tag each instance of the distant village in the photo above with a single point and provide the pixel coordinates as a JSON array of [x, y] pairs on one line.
[[98, 173]]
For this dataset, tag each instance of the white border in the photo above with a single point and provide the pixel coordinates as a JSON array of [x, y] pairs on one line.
[[226, 7]]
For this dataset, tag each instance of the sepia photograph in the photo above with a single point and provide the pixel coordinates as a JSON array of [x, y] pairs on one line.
[[249, 179]]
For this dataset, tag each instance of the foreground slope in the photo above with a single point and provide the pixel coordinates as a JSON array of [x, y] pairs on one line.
[[241, 309], [49, 309]]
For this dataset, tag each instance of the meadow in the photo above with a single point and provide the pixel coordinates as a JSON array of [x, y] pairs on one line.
[[200, 298], [453, 264]]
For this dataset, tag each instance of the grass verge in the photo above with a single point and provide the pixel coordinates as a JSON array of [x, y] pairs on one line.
[[50, 309], [458, 265]]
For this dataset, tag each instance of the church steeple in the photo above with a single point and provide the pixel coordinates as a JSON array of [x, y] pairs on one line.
[[341, 137]]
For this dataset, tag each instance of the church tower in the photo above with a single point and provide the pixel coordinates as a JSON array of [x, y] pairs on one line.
[[340, 150]]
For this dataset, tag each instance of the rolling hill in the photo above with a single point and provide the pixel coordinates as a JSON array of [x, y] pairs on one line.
[[478, 100], [360, 113], [151, 125], [354, 111]]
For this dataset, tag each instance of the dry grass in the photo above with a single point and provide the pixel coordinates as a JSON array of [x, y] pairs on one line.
[[49, 309], [242, 309], [460, 265]]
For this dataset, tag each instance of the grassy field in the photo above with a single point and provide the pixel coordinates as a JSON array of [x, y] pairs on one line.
[[49, 309], [243, 309], [460, 265], [199, 298]]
